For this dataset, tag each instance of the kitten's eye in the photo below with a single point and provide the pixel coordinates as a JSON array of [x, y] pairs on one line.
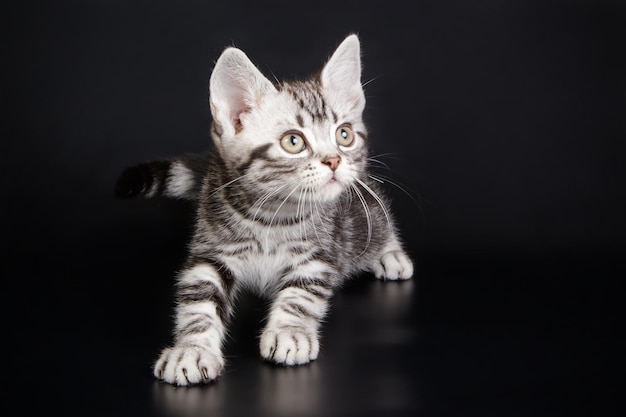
[[293, 142], [344, 136]]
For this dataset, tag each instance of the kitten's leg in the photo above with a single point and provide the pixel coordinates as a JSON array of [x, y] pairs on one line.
[[204, 299], [392, 263], [291, 334]]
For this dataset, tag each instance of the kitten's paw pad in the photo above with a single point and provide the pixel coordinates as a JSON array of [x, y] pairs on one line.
[[188, 365], [393, 265], [289, 345]]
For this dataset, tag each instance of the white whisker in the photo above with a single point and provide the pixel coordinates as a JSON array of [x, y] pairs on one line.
[[407, 191], [264, 200], [322, 222], [380, 163], [367, 216], [221, 187], [313, 219], [370, 80], [282, 204], [378, 200], [300, 213], [390, 155]]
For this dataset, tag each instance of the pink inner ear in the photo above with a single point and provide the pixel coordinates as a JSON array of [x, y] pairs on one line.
[[237, 125], [235, 115], [238, 107], [236, 103]]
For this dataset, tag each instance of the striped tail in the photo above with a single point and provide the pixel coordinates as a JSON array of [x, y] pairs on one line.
[[177, 177]]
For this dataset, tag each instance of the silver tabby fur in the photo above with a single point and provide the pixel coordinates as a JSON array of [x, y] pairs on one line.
[[290, 224]]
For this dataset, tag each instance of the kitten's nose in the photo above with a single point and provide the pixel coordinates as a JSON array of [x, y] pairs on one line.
[[332, 162]]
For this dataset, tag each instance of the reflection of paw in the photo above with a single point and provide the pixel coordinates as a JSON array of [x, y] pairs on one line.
[[289, 345], [393, 265], [188, 364]]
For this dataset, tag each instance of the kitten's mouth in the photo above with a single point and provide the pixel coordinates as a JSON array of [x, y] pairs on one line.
[[333, 181]]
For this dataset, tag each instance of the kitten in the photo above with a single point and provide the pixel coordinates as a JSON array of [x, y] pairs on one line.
[[285, 206]]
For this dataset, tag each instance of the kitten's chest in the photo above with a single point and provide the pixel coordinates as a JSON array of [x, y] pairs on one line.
[[265, 255]]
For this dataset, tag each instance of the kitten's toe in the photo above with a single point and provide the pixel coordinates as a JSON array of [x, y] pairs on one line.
[[188, 365], [393, 265], [289, 345]]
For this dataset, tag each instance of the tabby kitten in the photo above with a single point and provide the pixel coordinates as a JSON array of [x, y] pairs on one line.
[[285, 206]]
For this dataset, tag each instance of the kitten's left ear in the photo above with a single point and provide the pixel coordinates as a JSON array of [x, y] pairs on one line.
[[342, 74]]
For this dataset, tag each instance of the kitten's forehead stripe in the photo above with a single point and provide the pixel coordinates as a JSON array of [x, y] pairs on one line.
[[310, 99]]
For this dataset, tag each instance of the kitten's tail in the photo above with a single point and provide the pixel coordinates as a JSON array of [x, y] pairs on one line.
[[179, 177]]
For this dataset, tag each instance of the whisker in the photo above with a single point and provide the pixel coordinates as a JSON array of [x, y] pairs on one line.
[[350, 198], [390, 155], [378, 200], [370, 80], [375, 159], [274, 76], [322, 222], [380, 163], [313, 218], [281, 205], [367, 216], [221, 187], [406, 190], [264, 200], [300, 212]]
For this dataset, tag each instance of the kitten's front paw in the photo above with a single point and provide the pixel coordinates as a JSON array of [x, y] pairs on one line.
[[289, 345], [188, 365], [393, 265]]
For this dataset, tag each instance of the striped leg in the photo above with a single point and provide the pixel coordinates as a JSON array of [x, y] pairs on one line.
[[291, 334], [203, 307]]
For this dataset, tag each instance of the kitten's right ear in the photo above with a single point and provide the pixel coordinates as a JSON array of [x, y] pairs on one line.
[[236, 86]]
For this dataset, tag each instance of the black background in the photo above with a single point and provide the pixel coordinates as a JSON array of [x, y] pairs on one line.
[[503, 120]]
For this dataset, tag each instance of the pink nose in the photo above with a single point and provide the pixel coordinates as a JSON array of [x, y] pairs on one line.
[[332, 162]]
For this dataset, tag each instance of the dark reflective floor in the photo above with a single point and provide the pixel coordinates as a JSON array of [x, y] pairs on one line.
[[487, 334]]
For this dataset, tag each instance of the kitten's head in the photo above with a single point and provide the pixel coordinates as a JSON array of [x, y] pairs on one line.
[[302, 139]]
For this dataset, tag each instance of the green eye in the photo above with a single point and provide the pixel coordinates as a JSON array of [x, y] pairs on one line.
[[344, 136], [293, 142]]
